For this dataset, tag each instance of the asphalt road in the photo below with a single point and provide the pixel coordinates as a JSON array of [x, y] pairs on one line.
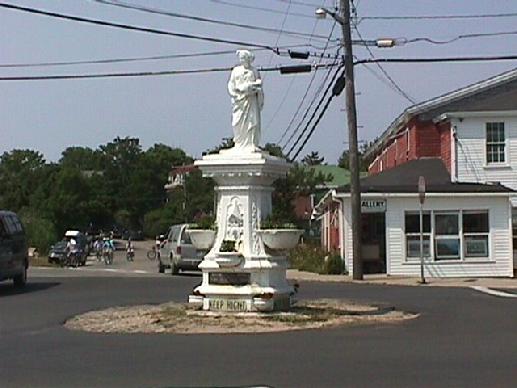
[[462, 339]]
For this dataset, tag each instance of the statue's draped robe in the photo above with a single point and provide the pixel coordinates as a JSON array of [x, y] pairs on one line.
[[246, 104]]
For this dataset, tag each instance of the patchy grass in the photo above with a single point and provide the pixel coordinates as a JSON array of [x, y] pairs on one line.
[[184, 319]]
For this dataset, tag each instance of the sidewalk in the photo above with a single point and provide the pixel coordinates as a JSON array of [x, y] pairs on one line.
[[497, 283]]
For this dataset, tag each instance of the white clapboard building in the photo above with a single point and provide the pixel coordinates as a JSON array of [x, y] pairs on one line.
[[464, 144]]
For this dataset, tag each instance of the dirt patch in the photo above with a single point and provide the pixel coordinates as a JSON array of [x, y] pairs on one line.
[[183, 319], [41, 261]]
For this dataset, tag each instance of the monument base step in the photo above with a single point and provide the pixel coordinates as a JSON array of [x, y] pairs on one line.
[[243, 303]]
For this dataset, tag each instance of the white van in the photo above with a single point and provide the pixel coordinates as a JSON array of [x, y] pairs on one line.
[[178, 252]]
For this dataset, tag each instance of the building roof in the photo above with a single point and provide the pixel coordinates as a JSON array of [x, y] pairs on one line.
[[498, 93], [404, 179]]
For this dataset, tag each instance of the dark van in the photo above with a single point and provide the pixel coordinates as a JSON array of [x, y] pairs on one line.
[[13, 249]]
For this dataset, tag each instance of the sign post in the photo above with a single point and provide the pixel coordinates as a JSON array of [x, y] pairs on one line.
[[421, 197]]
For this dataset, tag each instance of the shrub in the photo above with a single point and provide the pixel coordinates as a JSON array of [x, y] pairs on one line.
[[41, 232], [156, 222], [309, 258], [227, 246], [274, 222], [313, 258], [205, 222], [334, 264]]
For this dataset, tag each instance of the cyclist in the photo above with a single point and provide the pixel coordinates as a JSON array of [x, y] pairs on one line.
[[97, 247], [72, 252], [108, 248], [130, 251]]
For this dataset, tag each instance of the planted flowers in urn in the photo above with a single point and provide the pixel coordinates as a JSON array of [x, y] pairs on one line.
[[279, 236], [202, 233]]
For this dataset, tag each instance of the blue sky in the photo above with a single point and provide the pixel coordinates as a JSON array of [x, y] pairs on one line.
[[193, 111]]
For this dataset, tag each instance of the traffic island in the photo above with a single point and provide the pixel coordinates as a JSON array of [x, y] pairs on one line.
[[176, 318]]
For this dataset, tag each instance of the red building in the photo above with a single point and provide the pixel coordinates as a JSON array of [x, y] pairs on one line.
[[430, 128], [412, 137]]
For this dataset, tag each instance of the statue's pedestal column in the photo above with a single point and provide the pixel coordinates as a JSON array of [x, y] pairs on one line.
[[248, 278]]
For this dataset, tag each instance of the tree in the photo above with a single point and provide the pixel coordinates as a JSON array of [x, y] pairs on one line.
[[300, 181], [81, 158], [20, 174], [313, 159], [200, 194], [274, 149], [226, 143], [68, 200], [343, 160], [40, 231]]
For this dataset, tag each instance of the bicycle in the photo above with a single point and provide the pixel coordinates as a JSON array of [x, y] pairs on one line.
[[71, 259], [98, 254], [107, 256], [130, 254]]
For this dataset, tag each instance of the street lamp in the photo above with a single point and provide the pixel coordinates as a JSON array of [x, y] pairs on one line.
[[343, 18], [321, 13]]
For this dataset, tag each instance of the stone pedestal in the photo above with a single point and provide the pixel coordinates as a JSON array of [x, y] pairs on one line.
[[249, 279]]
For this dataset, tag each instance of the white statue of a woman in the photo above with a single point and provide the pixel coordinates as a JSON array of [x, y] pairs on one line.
[[245, 88]]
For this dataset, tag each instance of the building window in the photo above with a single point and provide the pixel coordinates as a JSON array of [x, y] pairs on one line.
[[412, 222], [495, 143], [447, 236], [475, 234]]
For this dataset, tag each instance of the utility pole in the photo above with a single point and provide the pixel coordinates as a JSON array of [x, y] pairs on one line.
[[355, 189]]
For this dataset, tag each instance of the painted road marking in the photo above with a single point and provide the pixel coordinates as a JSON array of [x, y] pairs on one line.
[[489, 291]]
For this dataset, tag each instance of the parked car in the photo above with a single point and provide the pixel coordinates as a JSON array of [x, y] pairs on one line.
[[178, 252], [57, 252], [14, 254]]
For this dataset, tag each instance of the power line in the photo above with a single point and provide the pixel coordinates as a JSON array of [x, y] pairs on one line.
[[309, 135], [329, 87], [311, 104], [380, 77], [133, 28], [291, 83], [118, 60], [438, 17], [114, 75], [263, 9], [136, 74], [386, 74], [337, 86], [286, 15], [459, 37], [202, 19], [307, 90], [306, 113], [303, 4], [135, 59], [438, 59]]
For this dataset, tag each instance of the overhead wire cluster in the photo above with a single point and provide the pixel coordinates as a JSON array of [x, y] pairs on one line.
[[302, 101], [334, 89], [296, 130], [156, 11], [297, 137]]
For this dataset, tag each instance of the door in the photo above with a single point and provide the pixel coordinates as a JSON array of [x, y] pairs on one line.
[[6, 249], [188, 251], [373, 242], [18, 243], [514, 235]]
